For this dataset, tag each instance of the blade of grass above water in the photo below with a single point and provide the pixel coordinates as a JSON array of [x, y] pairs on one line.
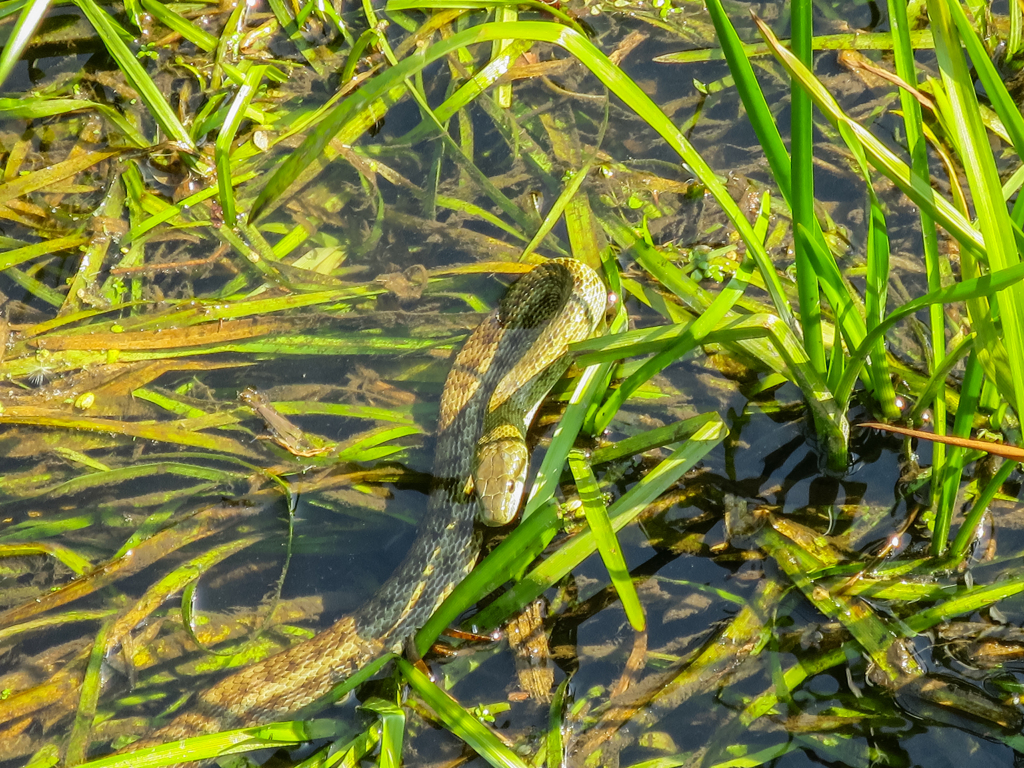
[[990, 208], [459, 721], [21, 35], [906, 68], [802, 190], [226, 137], [607, 544], [288, 734], [856, 41]]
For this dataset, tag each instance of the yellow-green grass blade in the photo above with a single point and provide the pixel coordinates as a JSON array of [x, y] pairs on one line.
[[176, 432], [88, 697], [288, 734], [856, 41], [392, 731], [76, 563], [607, 544], [181, 578], [175, 21], [476, 211], [555, 213], [589, 388], [111, 477], [348, 755], [53, 174], [86, 279], [31, 107], [555, 745], [17, 256], [968, 601], [53, 620], [459, 721]]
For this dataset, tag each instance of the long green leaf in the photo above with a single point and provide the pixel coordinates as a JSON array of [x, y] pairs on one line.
[[21, 35]]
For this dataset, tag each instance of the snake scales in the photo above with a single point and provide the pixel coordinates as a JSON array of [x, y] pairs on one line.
[[493, 390]]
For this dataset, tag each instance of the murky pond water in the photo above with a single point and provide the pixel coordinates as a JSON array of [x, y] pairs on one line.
[[157, 529]]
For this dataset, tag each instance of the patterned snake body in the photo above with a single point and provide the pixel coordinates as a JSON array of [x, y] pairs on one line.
[[496, 384]]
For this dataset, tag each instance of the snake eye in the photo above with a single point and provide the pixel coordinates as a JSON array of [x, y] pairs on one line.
[[611, 307]]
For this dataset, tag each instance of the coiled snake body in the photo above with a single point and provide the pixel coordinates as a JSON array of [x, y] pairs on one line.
[[497, 382]]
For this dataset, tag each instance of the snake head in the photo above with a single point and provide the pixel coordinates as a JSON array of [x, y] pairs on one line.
[[500, 474]]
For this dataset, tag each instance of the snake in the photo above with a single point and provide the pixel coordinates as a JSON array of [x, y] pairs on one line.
[[496, 384]]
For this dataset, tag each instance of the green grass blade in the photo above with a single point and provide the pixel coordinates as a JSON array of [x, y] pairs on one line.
[[589, 387], [459, 721], [948, 480], [737, 54], [21, 35], [876, 292], [968, 532], [986, 192], [78, 741], [906, 68], [226, 137], [166, 16], [148, 91], [290, 734], [392, 731], [607, 544], [802, 200]]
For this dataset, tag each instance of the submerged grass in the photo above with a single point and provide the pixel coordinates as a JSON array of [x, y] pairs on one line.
[[173, 238]]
